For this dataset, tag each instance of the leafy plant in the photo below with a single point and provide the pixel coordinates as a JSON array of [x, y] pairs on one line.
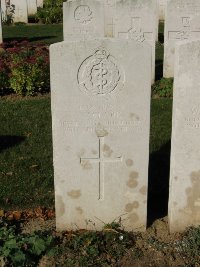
[[163, 88], [20, 249], [4, 71], [24, 68], [49, 15], [52, 3]]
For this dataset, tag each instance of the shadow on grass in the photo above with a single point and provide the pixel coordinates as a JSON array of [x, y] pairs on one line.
[[31, 39], [7, 141], [159, 69], [161, 37], [158, 192]]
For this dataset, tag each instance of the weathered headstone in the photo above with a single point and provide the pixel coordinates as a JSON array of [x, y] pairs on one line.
[[3, 10], [32, 7], [1, 37], [40, 3], [83, 20], [162, 7], [182, 22], [138, 20], [184, 200], [100, 91], [20, 10]]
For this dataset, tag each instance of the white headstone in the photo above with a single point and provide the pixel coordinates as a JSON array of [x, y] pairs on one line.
[[32, 7], [20, 10], [40, 3], [184, 200], [137, 20], [162, 7], [3, 10], [182, 22], [100, 93], [83, 19], [1, 37]]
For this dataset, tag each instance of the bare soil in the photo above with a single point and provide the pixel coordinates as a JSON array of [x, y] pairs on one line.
[[156, 247]]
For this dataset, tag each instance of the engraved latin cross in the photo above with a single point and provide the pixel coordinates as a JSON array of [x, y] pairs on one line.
[[135, 32], [101, 160]]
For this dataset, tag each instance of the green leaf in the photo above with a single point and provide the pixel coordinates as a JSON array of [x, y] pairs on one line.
[[38, 245], [19, 257]]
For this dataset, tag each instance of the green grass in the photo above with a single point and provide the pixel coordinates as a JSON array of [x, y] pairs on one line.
[[34, 33], [26, 168]]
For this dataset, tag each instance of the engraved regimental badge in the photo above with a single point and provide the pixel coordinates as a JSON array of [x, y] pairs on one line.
[[99, 74], [83, 14]]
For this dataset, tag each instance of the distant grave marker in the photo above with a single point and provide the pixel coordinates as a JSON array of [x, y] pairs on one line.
[[32, 7], [181, 23], [138, 20], [83, 20], [20, 10]]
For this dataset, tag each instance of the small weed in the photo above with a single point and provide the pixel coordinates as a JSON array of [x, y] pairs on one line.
[[93, 248], [163, 88]]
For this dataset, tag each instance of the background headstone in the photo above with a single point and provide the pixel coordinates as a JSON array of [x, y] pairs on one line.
[[1, 37], [162, 7], [20, 10], [184, 200], [83, 19], [100, 117], [32, 7], [110, 15], [40, 3], [3, 10], [182, 22], [138, 20]]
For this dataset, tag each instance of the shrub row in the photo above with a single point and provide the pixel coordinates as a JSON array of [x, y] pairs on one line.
[[24, 68], [52, 12]]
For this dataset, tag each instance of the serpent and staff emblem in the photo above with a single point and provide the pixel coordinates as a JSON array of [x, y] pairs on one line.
[[99, 73]]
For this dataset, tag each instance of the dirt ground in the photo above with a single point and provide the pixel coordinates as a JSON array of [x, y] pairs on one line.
[[155, 247]]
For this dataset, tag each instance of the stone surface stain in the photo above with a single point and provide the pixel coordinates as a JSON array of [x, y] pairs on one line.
[[74, 194], [107, 151], [101, 131], [67, 148], [193, 196], [60, 206], [130, 206], [134, 116], [79, 210], [94, 152], [143, 190], [129, 162], [133, 218], [132, 182], [86, 165], [81, 153]]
